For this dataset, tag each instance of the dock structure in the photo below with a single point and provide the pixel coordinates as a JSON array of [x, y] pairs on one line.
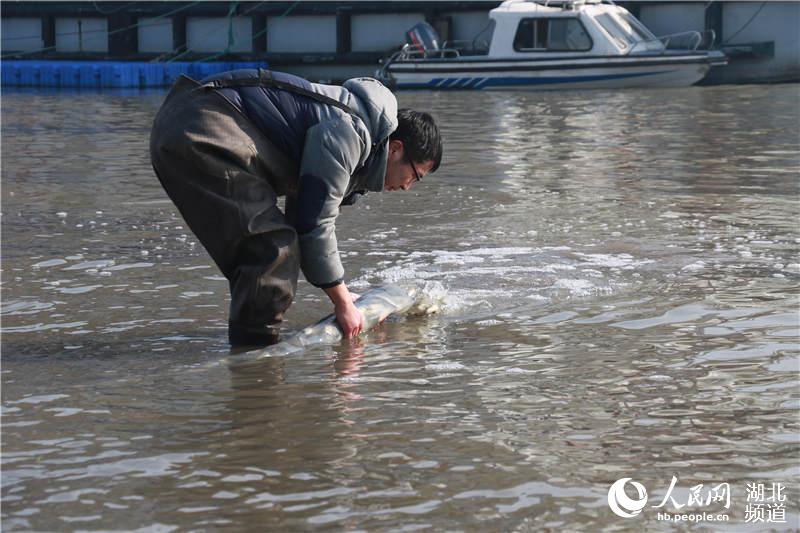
[[144, 43]]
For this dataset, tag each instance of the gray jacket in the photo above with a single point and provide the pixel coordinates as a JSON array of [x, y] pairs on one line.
[[343, 154]]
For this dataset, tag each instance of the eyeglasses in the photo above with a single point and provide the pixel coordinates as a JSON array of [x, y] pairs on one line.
[[417, 177]]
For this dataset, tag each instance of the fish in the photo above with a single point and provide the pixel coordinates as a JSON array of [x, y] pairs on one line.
[[375, 305]]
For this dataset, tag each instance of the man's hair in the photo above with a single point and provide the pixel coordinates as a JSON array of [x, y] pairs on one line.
[[420, 136]]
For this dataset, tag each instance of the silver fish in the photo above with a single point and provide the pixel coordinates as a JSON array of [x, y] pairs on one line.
[[375, 304]]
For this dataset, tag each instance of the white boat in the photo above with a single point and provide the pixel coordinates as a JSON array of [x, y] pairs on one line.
[[537, 45]]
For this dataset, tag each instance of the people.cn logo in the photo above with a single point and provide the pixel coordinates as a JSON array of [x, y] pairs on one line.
[[621, 503]]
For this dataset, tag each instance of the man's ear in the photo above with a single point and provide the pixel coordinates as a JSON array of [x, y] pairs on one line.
[[395, 145]]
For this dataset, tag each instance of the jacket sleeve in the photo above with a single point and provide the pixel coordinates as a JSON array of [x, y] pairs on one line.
[[333, 151]]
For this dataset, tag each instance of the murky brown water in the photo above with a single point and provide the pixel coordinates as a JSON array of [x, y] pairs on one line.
[[620, 283]]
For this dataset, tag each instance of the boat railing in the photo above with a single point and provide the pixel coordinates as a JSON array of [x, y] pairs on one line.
[[449, 49], [416, 51], [570, 3], [467, 46], [695, 40]]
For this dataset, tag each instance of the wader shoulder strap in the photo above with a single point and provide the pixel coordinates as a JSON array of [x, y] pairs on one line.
[[265, 79]]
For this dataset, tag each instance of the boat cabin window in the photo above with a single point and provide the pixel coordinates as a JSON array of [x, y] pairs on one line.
[[551, 35]]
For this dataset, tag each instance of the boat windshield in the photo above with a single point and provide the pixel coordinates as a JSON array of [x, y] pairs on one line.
[[483, 39], [635, 27], [625, 31], [615, 30]]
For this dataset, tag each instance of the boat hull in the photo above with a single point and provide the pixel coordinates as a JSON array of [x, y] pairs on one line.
[[614, 73]]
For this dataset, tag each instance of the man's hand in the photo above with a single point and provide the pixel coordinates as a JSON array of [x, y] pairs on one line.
[[350, 319]]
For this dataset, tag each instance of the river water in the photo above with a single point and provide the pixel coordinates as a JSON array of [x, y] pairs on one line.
[[618, 275]]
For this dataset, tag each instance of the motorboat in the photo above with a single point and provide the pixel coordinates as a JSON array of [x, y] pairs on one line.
[[549, 44]]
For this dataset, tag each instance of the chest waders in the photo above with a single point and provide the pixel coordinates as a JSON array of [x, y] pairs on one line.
[[225, 176]]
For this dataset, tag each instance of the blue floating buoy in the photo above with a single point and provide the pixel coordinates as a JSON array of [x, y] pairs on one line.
[[50, 75], [70, 75], [109, 74]]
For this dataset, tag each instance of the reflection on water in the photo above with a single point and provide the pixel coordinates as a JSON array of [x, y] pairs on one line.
[[619, 274]]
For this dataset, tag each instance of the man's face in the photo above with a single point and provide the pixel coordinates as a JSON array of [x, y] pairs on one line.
[[401, 172]]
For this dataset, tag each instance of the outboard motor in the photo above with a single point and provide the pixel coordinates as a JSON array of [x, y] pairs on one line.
[[423, 38]]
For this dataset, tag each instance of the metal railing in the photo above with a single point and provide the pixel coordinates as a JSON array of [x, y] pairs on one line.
[[417, 51], [696, 38], [413, 51], [468, 45], [450, 49]]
